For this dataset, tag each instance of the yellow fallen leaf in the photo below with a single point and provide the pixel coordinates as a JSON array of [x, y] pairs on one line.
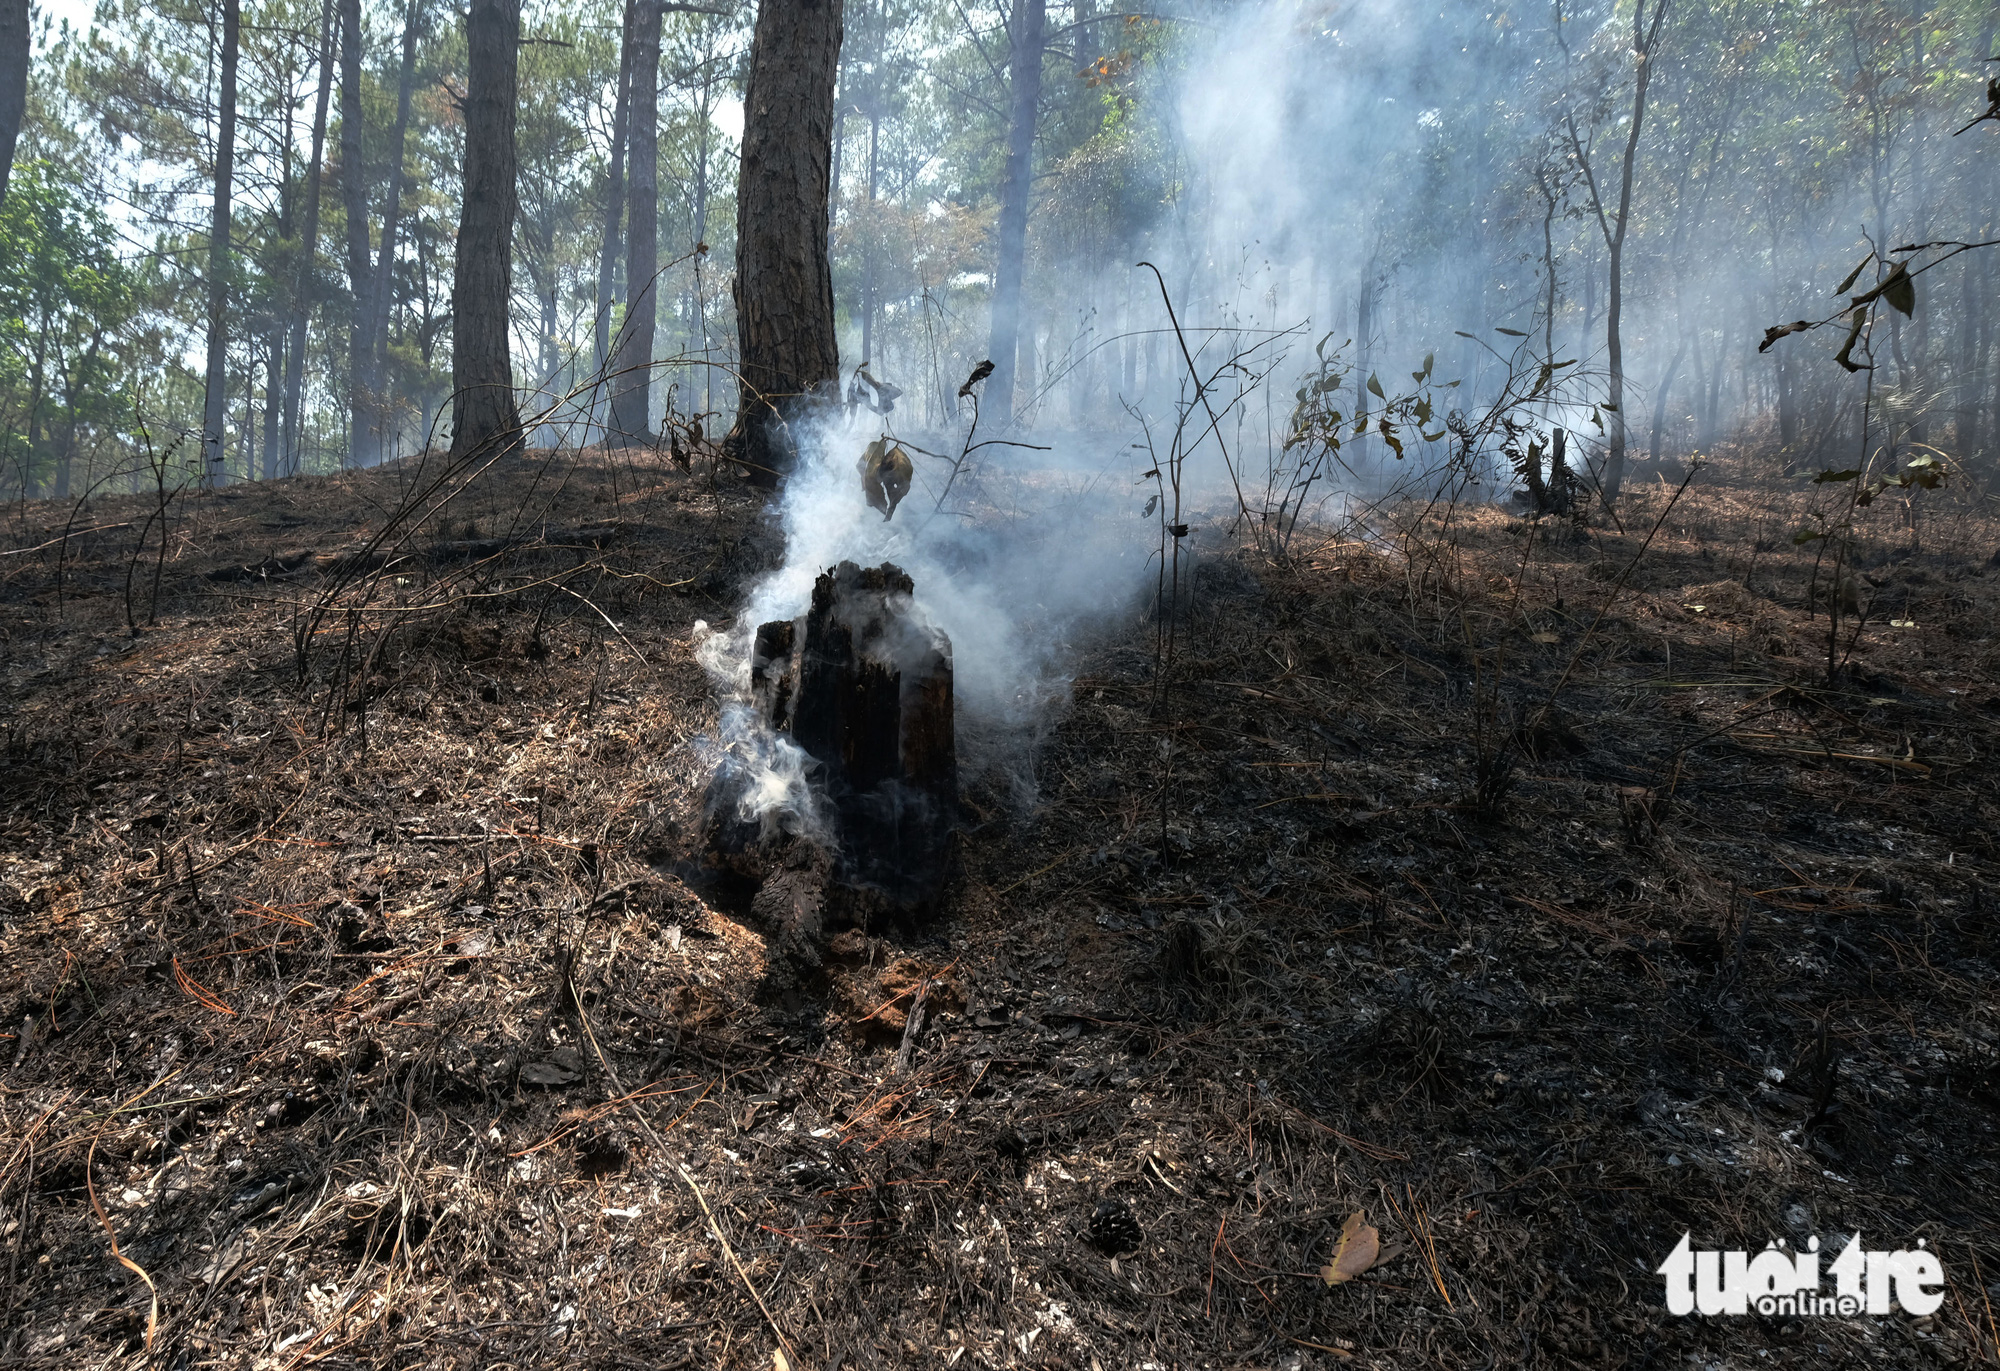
[[1354, 1251]]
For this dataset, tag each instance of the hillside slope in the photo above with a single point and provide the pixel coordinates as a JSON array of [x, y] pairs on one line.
[[1529, 889]]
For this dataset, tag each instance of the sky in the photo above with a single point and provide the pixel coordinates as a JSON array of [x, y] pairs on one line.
[[77, 12], [728, 115]]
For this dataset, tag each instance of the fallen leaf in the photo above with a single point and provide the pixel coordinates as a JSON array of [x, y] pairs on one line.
[[1544, 638], [1354, 1251]]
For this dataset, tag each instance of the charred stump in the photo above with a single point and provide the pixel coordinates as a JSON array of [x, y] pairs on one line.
[[863, 689]]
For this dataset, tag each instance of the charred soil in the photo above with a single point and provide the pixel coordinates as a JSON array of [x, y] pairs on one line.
[[1533, 888]]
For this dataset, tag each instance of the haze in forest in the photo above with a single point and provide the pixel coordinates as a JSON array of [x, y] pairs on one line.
[[1371, 180]]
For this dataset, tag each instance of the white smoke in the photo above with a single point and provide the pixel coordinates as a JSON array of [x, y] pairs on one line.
[[1011, 561], [766, 774]]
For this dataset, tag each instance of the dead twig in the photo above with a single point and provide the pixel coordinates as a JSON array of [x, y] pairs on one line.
[[715, 1227]]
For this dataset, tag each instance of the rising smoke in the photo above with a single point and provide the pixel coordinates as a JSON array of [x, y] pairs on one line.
[[1013, 562]]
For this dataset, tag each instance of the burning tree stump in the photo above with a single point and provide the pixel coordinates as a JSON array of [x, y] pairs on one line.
[[864, 689]]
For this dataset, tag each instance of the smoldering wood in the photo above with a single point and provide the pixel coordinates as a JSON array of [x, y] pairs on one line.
[[1531, 472], [1555, 493], [864, 690]]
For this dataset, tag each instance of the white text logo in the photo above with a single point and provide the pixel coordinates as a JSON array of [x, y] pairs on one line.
[[1777, 1281]]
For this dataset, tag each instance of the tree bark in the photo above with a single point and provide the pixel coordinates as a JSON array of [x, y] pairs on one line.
[[869, 233], [1613, 224], [632, 367], [216, 399], [274, 397], [787, 354], [1980, 422], [485, 421], [1660, 399], [392, 213], [614, 196], [354, 194], [288, 232], [1788, 411], [15, 46], [302, 292], [1024, 76], [248, 442], [1645, 45], [697, 327]]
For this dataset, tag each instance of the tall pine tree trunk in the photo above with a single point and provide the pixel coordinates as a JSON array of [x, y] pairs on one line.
[[1645, 47], [869, 233], [274, 397], [288, 231], [15, 46], [696, 324], [1024, 76], [215, 408], [354, 195], [392, 213], [302, 290], [632, 368], [787, 354], [485, 421], [1660, 394], [614, 198]]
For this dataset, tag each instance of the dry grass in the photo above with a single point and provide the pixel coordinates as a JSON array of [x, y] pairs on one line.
[[369, 1012]]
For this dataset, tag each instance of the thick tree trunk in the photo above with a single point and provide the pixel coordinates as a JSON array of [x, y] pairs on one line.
[[1024, 77], [632, 367], [485, 421], [354, 195], [614, 197], [787, 354], [15, 46], [302, 291], [214, 410], [392, 213]]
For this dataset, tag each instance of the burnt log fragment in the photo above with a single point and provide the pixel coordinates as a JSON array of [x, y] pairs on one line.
[[863, 689], [874, 710]]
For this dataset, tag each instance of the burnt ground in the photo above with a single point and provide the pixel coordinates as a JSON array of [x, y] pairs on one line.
[[1530, 888]]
